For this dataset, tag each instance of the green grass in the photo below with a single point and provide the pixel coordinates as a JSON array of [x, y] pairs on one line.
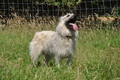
[[97, 57]]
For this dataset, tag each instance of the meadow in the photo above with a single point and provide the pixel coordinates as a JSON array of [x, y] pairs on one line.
[[97, 56]]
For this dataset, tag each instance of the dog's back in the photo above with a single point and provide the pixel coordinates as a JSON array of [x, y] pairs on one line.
[[43, 36]]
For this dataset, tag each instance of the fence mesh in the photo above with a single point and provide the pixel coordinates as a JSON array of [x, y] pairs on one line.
[[45, 8]]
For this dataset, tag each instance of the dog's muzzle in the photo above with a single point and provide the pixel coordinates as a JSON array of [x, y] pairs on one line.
[[72, 19], [71, 23]]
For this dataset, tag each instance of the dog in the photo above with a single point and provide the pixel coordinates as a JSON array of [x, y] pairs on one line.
[[57, 44]]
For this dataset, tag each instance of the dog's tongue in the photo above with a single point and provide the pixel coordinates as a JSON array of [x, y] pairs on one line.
[[74, 26]]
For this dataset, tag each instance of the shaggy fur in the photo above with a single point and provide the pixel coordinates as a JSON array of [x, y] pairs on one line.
[[57, 45]]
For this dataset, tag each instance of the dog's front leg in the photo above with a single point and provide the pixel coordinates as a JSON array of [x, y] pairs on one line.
[[69, 61], [57, 61]]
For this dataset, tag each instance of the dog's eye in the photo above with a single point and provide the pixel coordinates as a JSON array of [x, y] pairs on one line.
[[68, 15]]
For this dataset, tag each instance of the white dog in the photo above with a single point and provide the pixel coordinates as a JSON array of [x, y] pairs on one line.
[[57, 45]]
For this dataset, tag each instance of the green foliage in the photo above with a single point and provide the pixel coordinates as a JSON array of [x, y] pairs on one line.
[[61, 2], [97, 57], [53, 2]]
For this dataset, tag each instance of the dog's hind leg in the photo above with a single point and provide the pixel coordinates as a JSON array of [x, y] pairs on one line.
[[33, 59], [35, 52], [47, 58]]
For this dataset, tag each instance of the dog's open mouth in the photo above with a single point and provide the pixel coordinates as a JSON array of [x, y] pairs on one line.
[[71, 23], [74, 26]]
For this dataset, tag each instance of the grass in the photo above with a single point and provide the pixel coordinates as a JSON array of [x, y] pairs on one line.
[[97, 57]]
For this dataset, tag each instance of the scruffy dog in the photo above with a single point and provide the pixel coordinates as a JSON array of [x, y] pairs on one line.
[[57, 45]]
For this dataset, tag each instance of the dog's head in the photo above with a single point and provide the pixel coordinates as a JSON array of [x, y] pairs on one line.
[[69, 21]]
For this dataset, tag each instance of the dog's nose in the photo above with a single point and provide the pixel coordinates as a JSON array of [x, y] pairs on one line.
[[75, 15]]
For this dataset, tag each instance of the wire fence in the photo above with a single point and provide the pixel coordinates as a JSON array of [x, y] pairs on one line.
[[43, 9]]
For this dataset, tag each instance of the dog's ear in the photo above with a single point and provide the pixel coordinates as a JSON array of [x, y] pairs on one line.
[[59, 19]]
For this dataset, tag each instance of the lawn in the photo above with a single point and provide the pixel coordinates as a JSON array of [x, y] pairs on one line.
[[97, 56]]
